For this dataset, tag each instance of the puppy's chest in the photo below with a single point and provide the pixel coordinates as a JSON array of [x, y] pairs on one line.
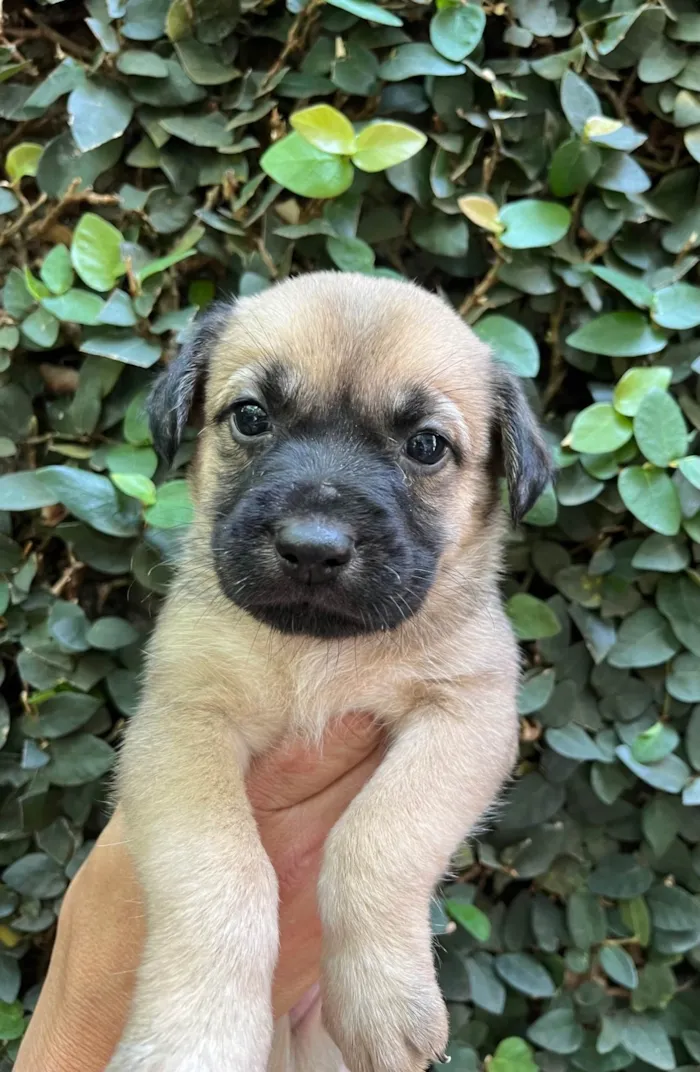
[[312, 687]]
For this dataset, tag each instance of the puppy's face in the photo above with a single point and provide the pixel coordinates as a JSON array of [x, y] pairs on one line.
[[353, 430]]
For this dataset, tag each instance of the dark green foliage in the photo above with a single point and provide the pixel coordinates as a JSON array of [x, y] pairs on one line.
[[537, 162]]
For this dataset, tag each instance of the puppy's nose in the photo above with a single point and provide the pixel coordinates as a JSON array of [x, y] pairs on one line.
[[313, 549]]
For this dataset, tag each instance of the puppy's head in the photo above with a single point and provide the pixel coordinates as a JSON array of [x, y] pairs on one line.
[[354, 431]]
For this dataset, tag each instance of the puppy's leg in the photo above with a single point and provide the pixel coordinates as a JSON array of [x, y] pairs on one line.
[[447, 761], [203, 992]]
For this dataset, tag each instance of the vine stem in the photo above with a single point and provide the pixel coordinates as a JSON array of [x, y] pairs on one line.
[[478, 294]]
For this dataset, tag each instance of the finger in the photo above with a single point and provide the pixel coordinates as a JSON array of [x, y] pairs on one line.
[[294, 840], [293, 773]]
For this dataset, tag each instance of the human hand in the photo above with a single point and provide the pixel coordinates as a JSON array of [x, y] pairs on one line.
[[297, 796]]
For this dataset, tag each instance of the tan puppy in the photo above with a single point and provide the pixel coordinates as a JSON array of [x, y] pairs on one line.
[[344, 556]]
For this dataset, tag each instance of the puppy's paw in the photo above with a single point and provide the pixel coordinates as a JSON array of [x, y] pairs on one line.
[[383, 1017]]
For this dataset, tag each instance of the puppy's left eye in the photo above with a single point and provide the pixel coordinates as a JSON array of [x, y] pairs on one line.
[[427, 448], [249, 419]]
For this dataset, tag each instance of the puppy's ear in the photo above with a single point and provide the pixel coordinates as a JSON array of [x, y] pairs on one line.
[[521, 454], [177, 387]]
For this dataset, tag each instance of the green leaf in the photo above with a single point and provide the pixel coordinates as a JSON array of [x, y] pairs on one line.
[[531, 618], [557, 1031], [210, 130], [635, 383], [78, 760], [635, 916], [136, 429], [655, 743], [692, 738], [60, 715], [677, 307], [41, 328], [455, 31], [573, 742], [111, 633], [22, 160], [599, 429], [350, 254], [95, 252], [511, 343], [530, 224], [98, 113], [659, 428], [137, 486], [512, 1055], [306, 170], [650, 495], [622, 174], [127, 460], [673, 909], [364, 10], [8, 201], [690, 468], [325, 128], [634, 289], [202, 64], [173, 507], [35, 875], [140, 62], [644, 639], [573, 166], [678, 599], [487, 992], [471, 918], [12, 1022], [122, 346], [545, 510], [683, 681], [89, 497], [386, 143], [670, 774], [619, 966], [620, 876], [525, 974], [409, 61], [56, 270], [646, 1038], [481, 210], [76, 306], [536, 689], [618, 335], [62, 163], [25, 491], [68, 625], [578, 100]]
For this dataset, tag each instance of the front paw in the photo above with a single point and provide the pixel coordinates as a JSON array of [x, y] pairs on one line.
[[384, 1015]]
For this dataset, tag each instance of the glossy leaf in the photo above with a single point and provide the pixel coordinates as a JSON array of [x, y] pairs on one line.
[[306, 170], [385, 144], [325, 128]]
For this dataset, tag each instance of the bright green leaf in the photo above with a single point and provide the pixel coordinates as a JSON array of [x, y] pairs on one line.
[[95, 252], [385, 143], [306, 170]]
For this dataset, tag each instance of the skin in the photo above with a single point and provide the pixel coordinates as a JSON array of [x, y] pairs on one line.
[[297, 795]]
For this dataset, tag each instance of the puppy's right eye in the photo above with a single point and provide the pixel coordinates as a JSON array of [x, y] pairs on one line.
[[249, 419]]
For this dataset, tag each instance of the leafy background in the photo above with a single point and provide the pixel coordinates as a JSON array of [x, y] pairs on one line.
[[555, 201]]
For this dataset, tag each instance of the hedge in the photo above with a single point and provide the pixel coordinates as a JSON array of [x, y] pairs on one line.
[[534, 161]]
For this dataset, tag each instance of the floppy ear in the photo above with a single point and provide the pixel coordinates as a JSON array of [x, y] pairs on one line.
[[176, 388], [521, 452]]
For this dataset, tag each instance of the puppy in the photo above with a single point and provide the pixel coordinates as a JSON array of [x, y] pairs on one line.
[[344, 556]]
